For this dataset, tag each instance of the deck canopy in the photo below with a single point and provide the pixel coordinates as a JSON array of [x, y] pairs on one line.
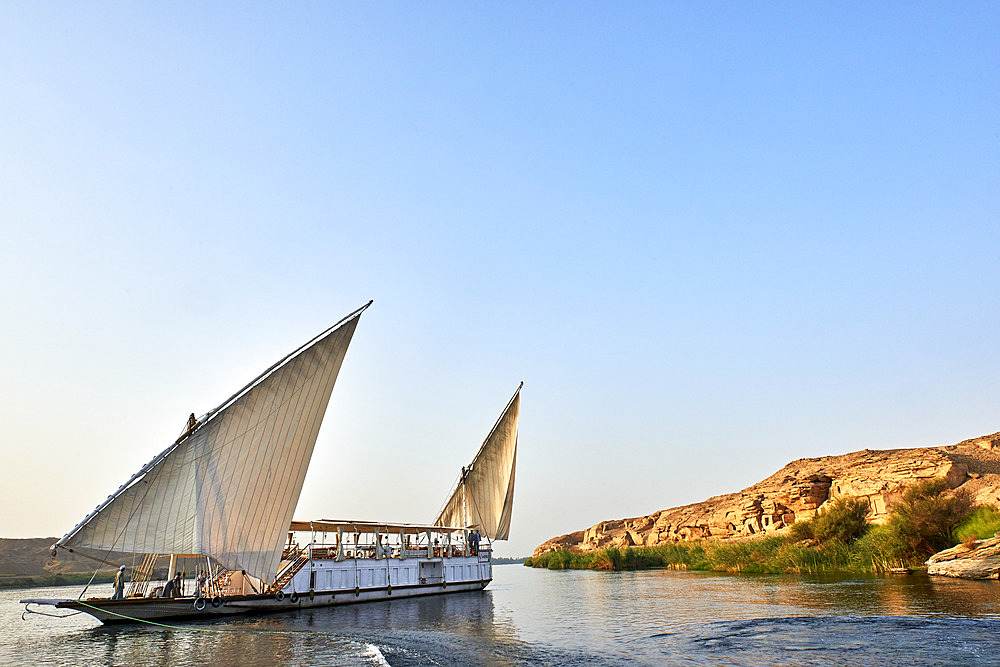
[[227, 488], [333, 525]]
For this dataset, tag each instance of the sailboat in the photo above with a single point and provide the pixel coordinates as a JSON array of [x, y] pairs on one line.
[[223, 496]]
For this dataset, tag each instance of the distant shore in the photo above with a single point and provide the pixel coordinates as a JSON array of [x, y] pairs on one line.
[[44, 580], [499, 560]]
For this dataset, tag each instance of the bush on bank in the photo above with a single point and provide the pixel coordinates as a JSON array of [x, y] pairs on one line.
[[925, 520]]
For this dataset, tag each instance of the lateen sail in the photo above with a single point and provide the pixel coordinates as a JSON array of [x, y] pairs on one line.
[[484, 497], [228, 489]]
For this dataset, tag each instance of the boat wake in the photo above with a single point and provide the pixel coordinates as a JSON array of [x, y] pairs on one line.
[[861, 640]]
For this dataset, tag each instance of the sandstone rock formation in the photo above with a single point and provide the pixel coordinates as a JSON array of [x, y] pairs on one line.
[[799, 490], [33, 557], [982, 561]]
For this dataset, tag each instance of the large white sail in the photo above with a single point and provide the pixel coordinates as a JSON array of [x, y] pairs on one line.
[[229, 487], [484, 496]]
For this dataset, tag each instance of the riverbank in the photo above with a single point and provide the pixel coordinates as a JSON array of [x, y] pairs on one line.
[[928, 518]]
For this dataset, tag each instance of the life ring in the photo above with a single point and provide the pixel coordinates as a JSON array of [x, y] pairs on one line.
[[199, 604], [294, 597], [279, 596], [312, 594], [357, 591], [217, 601]]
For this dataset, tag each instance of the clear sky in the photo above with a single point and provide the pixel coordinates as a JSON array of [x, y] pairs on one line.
[[710, 237]]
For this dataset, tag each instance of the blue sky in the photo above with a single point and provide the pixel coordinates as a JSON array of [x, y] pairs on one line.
[[711, 238]]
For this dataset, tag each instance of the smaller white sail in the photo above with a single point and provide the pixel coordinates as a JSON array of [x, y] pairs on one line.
[[484, 496]]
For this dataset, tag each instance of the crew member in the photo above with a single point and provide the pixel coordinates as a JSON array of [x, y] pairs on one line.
[[475, 541], [119, 584], [173, 587], [199, 584]]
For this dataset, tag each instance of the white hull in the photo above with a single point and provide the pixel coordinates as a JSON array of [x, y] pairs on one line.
[[298, 595], [130, 611]]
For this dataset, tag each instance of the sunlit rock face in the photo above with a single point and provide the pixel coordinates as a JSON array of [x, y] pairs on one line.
[[981, 561], [800, 490]]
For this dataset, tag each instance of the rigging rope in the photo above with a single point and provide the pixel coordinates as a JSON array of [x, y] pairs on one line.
[[42, 613], [142, 620]]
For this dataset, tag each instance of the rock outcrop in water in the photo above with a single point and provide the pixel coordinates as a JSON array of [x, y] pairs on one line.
[[981, 561], [799, 490]]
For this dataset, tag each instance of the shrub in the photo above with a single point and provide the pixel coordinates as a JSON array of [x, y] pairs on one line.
[[802, 530], [843, 521], [923, 521], [560, 559]]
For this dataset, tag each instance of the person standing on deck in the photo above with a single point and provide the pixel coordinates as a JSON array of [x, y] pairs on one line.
[[119, 584], [199, 584], [173, 587]]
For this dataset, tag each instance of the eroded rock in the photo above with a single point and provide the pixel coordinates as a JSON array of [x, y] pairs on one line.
[[982, 561]]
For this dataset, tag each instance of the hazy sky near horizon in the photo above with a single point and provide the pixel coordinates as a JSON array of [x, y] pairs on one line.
[[710, 238]]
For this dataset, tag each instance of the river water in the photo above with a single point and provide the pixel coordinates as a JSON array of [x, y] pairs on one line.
[[530, 616]]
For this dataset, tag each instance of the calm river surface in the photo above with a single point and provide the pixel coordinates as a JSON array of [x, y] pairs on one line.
[[530, 616]]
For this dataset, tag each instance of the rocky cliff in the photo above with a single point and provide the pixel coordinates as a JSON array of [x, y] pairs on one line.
[[799, 490]]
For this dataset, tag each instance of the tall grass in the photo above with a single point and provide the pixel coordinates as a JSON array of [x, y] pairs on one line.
[[983, 523], [767, 555]]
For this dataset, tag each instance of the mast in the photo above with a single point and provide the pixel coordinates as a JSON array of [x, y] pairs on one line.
[[465, 511]]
